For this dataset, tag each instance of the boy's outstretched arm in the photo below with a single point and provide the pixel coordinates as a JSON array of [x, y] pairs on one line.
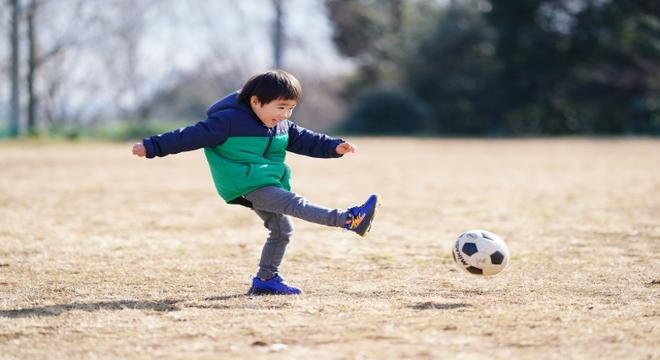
[[209, 132], [306, 142]]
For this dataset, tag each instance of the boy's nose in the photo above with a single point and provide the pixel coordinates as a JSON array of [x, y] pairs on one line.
[[286, 114]]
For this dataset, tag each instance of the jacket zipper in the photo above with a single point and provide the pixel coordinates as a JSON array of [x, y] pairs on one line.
[[270, 140]]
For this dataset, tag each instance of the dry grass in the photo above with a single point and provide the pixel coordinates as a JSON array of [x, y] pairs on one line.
[[106, 255]]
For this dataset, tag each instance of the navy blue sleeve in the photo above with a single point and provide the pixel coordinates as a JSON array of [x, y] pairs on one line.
[[210, 132], [307, 142]]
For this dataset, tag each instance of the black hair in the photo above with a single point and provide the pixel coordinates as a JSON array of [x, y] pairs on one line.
[[271, 85]]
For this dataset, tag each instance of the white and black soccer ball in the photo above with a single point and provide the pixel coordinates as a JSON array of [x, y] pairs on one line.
[[480, 252]]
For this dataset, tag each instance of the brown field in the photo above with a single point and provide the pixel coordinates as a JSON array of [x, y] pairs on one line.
[[106, 255]]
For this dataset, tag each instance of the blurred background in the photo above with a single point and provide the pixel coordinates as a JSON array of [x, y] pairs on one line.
[[123, 69]]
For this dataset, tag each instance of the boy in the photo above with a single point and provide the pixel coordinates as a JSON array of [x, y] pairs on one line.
[[245, 138]]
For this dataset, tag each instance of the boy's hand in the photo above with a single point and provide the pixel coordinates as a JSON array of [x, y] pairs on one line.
[[139, 150], [345, 148]]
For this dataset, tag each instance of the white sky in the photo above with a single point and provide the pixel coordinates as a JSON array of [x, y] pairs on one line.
[[202, 28]]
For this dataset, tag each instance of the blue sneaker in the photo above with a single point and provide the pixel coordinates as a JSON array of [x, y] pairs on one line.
[[272, 286], [361, 217]]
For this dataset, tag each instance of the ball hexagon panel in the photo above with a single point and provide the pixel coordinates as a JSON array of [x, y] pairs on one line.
[[486, 236]]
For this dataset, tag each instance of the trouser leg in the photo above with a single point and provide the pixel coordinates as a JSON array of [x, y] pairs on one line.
[[280, 201], [281, 231]]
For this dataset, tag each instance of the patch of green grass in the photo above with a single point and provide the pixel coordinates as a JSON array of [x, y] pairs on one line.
[[4, 132], [112, 131], [131, 130]]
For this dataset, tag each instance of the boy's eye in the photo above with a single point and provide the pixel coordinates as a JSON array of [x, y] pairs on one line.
[[285, 108]]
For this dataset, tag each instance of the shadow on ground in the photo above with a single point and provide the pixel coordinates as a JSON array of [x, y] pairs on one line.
[[166, 305], [438, 306]]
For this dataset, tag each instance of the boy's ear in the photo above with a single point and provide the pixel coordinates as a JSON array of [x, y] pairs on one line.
[[254, 100]]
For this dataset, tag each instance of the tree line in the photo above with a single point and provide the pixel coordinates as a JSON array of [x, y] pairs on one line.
[[501, 67], [425, 67], [69, 67]]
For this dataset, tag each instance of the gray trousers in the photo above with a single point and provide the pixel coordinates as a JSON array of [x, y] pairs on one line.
[[275, 206]]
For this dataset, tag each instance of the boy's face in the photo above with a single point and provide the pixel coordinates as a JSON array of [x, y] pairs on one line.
[[273, 112]]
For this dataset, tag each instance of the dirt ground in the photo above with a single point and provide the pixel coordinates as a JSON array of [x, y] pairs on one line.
[[104, 255]]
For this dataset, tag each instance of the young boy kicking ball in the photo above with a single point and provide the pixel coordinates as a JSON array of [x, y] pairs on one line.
[[245, 138]]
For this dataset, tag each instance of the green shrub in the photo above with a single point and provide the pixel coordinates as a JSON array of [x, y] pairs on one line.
[[388, 112]]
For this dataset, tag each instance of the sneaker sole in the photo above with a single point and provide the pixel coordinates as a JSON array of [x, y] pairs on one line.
[[373, 217], [260, 292]]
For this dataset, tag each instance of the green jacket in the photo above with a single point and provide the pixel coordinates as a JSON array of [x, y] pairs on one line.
[[243, 154]]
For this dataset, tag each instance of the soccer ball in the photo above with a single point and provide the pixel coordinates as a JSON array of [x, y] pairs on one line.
[[480, 252]]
